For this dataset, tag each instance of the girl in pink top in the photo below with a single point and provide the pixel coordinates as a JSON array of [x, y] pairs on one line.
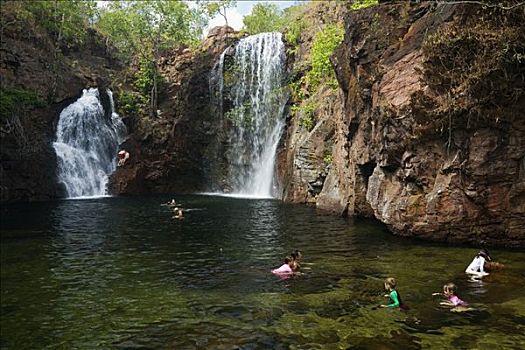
[[284, 269], [449, 292]]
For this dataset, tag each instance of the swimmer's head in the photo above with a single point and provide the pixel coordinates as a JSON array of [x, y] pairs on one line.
[[449, 289], [390, 283], [485, 253], [297, 253]]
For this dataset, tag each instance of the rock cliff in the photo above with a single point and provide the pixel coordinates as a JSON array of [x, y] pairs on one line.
[[174, 151], [427, 131]]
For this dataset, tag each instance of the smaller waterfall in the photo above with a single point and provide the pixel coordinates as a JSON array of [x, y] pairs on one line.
[[86, 145]]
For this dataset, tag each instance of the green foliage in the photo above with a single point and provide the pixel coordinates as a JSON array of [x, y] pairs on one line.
[[306, 111], [265, 17], [241, 115], [66, 21], [146, 76], [15, 101], [143, 28], [323, 46], [298, 93], [131, 104], [294, 24], [293, 31], [361, 4], [328, 158], [213, 7]]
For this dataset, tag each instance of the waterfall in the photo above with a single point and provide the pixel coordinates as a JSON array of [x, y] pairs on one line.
[[257, 75], [86, 145], [217, 84]]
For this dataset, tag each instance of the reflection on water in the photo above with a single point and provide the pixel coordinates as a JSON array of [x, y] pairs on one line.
[[121, 273]]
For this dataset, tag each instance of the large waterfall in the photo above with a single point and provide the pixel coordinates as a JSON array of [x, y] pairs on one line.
[[256, 76], [86, 145]]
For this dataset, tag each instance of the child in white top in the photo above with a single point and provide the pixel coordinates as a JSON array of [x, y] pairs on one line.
[[476, 267]]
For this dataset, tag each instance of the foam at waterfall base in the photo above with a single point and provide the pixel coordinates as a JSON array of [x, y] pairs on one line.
[[236, 195], [88, 197]]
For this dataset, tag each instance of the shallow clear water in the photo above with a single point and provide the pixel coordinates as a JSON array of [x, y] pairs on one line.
[[121, 273]]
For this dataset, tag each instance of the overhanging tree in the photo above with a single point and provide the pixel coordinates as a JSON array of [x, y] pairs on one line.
[[214, 7], [144, 29], [265, 17]]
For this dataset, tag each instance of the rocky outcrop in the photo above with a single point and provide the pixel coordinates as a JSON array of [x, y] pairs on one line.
[[174, 152], [429, 162], [49, 79]]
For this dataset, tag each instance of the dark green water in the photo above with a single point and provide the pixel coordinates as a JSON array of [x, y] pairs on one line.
[[121, 273]]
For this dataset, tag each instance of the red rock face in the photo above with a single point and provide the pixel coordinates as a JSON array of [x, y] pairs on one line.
[[463, 186], [177, 151]]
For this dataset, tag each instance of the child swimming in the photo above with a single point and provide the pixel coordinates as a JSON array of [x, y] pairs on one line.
[[178, 213], [284, 269], [477, 266], [296, 256], [449, 292], [395, 298], [170, 203]]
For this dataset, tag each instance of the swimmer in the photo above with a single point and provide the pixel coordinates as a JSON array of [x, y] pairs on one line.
[[449, 292], [170, 203], [284, 269], [178, 213], [296, 256], [395, 298], [476, 267]]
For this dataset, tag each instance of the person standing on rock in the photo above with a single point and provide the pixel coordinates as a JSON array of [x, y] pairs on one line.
[[123, 156]]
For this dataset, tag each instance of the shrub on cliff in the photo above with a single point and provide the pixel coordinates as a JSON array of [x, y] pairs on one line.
[[361, 4], [477, 68], [323, 47], [17, 101]]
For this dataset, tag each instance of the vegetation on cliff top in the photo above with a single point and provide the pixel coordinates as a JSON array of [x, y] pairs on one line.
[[311, 40], [65, 21], [141, 31], [477, 70]]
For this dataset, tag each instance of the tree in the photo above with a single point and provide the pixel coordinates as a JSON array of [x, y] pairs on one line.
[[144, 29], [66, 21], [265, 17], [214, 7]]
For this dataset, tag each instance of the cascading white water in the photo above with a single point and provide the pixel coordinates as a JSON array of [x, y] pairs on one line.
[[217, 84], [86, 145], [258, 98]]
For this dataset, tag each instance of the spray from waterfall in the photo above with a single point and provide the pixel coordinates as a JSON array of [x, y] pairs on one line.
[[86, 145], [257, 76]]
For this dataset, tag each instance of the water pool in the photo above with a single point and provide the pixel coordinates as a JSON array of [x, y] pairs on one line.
[[121, 273]]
